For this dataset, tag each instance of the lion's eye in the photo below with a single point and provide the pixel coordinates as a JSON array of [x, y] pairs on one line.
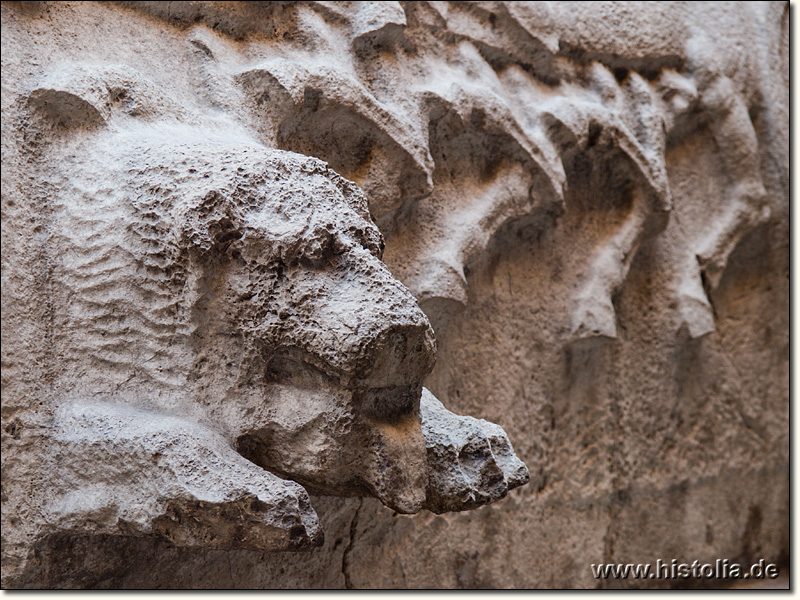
[[369, 238], [321, 244], [210, 222]]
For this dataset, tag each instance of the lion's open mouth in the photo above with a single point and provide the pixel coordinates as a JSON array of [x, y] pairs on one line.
[[397, 444], [389, 404]]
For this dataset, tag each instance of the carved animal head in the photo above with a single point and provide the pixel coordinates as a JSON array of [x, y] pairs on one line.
[[270, 267], [205, 275]]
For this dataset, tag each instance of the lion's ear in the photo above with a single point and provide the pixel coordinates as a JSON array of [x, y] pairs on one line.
[[90, 95], [71, 99]]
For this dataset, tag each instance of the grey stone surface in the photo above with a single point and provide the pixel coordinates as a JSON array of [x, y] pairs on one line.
[[460, 476], [208, 210]]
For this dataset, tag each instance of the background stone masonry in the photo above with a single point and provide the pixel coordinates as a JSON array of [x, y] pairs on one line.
[[589, 201]]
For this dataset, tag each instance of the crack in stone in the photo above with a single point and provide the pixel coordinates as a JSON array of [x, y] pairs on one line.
[[348, 584]]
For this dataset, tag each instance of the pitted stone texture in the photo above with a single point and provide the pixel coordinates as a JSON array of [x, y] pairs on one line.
[[588, 200], [470, 461], [198, 273], [120, 471]]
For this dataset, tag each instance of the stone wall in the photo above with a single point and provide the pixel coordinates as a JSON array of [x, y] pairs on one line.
[[589, 202]]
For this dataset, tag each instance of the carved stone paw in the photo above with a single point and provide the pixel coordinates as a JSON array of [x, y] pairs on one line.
[[122, 471]]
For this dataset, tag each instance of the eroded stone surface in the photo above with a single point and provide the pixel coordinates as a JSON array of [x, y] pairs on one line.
[[205, 278], [460, 475], [587, 200], [117, 470]]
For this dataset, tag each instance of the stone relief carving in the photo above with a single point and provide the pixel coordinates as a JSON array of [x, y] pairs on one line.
[[229, 324], [491, 132], [245, 257]]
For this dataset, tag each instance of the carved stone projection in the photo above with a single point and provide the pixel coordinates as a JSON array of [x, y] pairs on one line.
[[248, 247], [225, 311]]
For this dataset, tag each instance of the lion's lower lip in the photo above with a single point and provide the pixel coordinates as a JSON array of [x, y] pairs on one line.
[[470, 461]]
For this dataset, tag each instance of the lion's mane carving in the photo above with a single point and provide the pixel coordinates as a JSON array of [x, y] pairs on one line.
[[228, 331]]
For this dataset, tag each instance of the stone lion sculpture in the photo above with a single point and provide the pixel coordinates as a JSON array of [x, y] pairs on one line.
[[231, 337]]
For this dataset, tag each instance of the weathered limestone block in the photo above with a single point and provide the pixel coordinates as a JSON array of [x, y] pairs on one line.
[[223, 315], [249, 247]]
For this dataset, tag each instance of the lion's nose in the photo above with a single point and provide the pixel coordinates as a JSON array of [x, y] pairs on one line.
[[353, 321], [399, 355]]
